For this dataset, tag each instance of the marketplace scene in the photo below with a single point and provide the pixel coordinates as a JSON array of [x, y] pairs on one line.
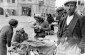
[[42, 27]]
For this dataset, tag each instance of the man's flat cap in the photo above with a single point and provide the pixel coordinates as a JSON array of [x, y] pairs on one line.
[[59, 9], [71, 1]]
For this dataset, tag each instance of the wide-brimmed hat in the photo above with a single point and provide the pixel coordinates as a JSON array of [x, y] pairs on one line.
[[70, 1]]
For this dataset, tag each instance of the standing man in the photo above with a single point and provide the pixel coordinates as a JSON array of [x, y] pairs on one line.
[[60, 12], [71, 33]]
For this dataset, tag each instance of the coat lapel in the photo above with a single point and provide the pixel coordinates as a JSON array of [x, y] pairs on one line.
[[63, 24], [73, 23]]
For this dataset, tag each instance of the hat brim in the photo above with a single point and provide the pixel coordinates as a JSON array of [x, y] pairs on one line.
[[60, 10], [73, 2]]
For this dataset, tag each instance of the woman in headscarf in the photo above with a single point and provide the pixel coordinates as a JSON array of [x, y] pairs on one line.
[[6, 36], [40, 26], [20, 36]]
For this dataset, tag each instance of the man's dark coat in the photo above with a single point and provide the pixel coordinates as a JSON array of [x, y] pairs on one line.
[[76, 29]]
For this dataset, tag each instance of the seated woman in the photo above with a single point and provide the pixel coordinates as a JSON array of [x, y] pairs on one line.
[[40, 26]]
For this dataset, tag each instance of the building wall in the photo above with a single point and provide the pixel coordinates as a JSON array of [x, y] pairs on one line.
[[8, 6], [48, 6], [81, 8]]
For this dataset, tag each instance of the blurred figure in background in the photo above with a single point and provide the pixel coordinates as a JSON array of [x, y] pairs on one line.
[[18, 41], [40, 26], [61, 13], [50, 20], [20, 36], [6, 34]]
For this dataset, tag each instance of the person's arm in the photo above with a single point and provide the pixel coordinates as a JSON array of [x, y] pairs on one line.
[[26, 37], [16, 40], [59, 32], [82, 41], [9, 38], [45, 27], [82, 26], [33, 25]]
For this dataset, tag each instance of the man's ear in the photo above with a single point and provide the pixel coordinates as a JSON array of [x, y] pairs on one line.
[[75, 7]]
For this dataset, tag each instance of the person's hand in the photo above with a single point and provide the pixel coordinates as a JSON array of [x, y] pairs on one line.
[[34, 26], [62, 40], [9, 49], [82, 51], [58, 42], [81, 46], [39, 27], [40, 39]]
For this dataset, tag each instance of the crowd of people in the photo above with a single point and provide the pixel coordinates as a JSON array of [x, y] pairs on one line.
[[71, 32], [10, 41]]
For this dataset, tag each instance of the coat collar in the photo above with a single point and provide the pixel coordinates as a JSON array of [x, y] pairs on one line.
[[10, 27], [72, 23]]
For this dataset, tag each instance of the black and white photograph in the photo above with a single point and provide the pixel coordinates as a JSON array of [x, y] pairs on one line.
[[42, 27]]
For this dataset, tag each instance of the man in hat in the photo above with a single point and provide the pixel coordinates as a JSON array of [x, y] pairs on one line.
[[61, 12], [71, 32]]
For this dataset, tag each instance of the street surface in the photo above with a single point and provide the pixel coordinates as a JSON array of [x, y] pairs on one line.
[[26, 22]]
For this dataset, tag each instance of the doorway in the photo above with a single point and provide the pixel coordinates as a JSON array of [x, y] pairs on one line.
[[1, 11], [26, 11]]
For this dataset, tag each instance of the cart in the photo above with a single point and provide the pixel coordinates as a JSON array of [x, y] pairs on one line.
[[39, 47]]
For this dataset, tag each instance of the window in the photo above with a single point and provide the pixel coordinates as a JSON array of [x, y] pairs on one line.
[[13, 1], [8, 1]]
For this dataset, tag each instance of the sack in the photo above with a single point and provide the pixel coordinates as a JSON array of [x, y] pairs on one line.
[[31, 53], [83, 54], [66, 49]]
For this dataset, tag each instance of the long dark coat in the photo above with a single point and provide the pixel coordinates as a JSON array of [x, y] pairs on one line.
[[76, 29], [5, 38]]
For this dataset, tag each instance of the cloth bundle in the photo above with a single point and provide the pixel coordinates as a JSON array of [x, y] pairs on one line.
[[66, 49]]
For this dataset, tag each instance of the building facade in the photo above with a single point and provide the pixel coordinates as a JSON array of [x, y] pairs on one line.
[[81, 7], [27, 7]]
